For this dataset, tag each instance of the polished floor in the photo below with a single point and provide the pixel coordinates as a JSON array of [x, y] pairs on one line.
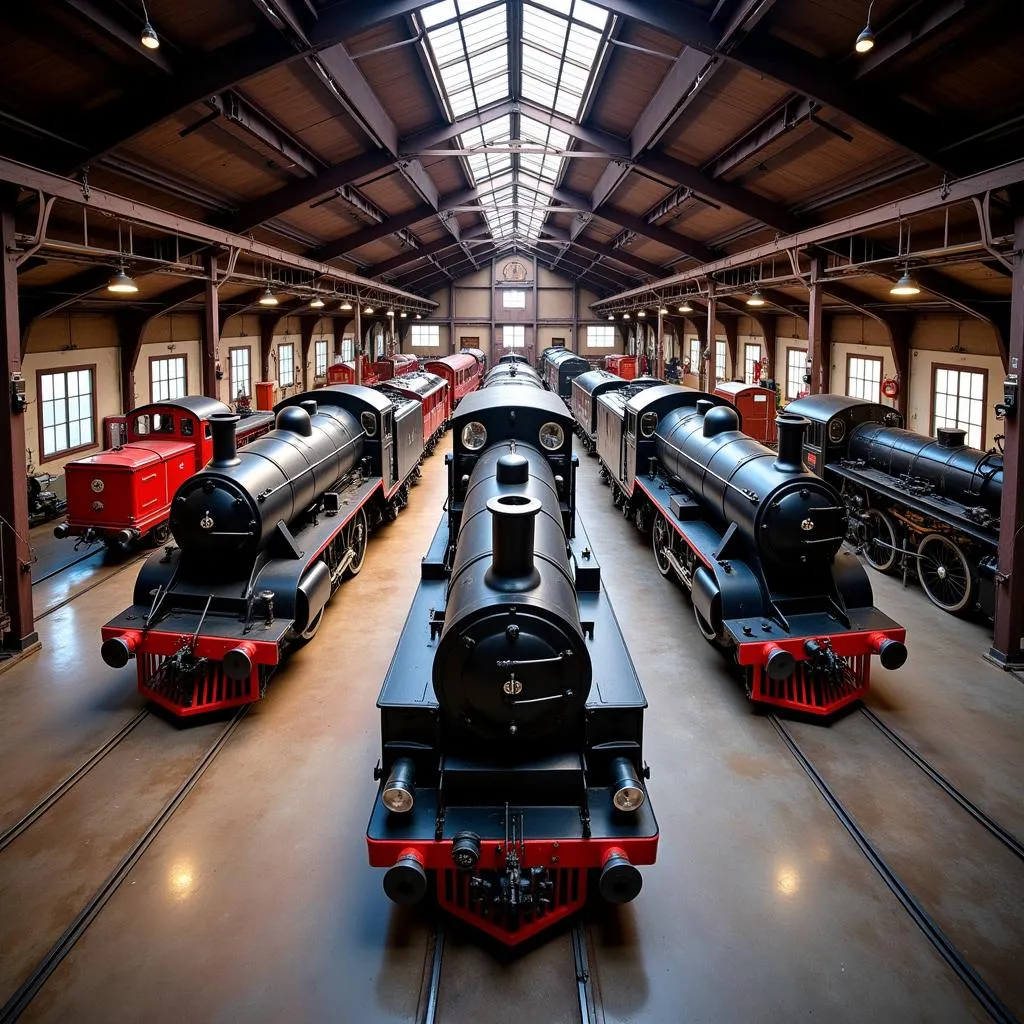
[[255, 902]]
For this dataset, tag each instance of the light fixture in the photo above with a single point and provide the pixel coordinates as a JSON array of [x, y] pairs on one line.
[[627, 791], [268, 298], [611, 316], [317, 303], [149, 39], [346, 305], [399, 792], [121, 283], [641, 313], [685, 307], [663, 311], [906, 285], [866, 39], [418, 317], [756, 298], [403, 314], [368, 310], [625, 316], [391, 312]]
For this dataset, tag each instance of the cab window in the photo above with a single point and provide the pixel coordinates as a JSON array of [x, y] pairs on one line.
[[187, 428]]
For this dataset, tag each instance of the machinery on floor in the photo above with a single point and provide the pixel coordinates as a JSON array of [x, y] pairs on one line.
[[756, 540], [919, 506], [123, 495], [265, 536], [43, 504], [511, 771]]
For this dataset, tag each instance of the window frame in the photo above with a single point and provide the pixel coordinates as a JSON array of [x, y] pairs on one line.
[[879, 360], [49, 372], [721, 349], [153, 400], [607, 328], [290, 347], [506, 292], [748, 363], [694, 356], [433, 329], [232, 390], [959, 368], [317, 343], [517, 330], [800, 382]]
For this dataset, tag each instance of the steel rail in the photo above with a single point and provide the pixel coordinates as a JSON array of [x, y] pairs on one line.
[[68, 565]]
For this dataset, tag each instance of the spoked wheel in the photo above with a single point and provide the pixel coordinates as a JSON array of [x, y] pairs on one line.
[[945, 574], [356, 534], [879, 547], [661, 538], [159, 534]]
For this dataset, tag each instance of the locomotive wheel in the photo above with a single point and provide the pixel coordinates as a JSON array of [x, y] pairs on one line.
[[879, 550], [661, 537], [356, 534], [159, 534], [945, 574]]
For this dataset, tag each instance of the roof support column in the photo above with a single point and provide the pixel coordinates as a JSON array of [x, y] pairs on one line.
[[900, 326], [268, 324], [211, 328], [711, 364], [659, 347], [338, 324], [129, 335], [307, 325], [17, 625], [819, 340], [768, 325], [732, 340], [1007, 643], [357, 354]]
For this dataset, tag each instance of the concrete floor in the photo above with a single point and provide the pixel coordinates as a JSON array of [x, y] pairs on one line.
[[256, 904]]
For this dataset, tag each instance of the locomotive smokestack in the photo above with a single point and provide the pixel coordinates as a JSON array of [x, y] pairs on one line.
[[222, 425], [791, 442], [950, 437], [309, 404], [513, 524], [704, 406]]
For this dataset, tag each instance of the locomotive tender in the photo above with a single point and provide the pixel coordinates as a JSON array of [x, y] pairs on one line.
[[123, 495], [754, 538], [558, 367], [265, 535], [918, 505], [511, 715]]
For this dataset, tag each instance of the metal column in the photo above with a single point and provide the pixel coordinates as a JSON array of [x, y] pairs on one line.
[[211, 329], [1008, 637], [819, 345], [18, 626]]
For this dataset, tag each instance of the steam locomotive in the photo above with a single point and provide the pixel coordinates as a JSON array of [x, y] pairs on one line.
[[558, 368], [512, 767], [918, 505], [265, 535], [587, 388], [754, 538]]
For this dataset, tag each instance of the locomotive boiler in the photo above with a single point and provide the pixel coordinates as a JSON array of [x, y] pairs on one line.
[[511, 770], [755, 539], [265, 535], [919, 506], [559, 366]]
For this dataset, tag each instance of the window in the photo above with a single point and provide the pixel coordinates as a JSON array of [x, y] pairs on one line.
[[241, 380], [601, 336], [719, 360], [348, 347], [167, 378], [426, 335], [514, 336], [796, 368], [66, 411], [751, 357], [864, 377], [320, 357], [286, 365], [513, 298], [695, 355], [959, 402]]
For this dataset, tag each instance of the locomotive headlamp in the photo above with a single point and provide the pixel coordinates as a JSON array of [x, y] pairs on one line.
[[474, 436], [551, 437], [627, 793], [399, 790]]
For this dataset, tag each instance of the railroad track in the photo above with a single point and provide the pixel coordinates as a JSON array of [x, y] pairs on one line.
[[69, 565], [52, 959], [587, 994], [91, 586], [940, 937]]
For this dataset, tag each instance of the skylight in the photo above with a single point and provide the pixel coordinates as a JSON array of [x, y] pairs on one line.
[[562, 41]]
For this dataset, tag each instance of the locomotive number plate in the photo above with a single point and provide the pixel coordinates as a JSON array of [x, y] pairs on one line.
[[96, 485]]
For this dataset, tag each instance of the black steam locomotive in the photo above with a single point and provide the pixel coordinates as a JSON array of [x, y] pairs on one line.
[[921, 506], [754, 538], [587, 388], [511, 716], [265, 535], [558, 367]]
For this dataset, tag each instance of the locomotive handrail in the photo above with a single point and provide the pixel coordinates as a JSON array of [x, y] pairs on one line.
[[263, 495]]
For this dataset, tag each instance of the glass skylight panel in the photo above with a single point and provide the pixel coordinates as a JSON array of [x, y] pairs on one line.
[[434, 14]]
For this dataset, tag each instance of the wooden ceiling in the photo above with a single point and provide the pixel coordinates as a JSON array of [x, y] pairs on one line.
[[725, 123]]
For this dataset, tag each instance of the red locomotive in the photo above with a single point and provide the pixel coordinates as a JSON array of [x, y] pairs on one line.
[[124, 494], [622, 366], [432, 391], [756, 406], [462, 371], [386, 368]]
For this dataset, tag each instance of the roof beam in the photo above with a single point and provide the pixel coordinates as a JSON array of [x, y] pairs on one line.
[[117, 31], [256, 123], [673, 239], [668, 102], [793, 112], [892, 49], [345, 19], [430, 249], [739, 199], [395, 222], [681, 20]]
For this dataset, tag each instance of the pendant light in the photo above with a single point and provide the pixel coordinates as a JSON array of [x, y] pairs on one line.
[[906, 285], [403, 314], [121, 284], [268, 298], [756, 298], [346, 306], [149, 39], [317, 303], [866, 39], [685, 307]]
